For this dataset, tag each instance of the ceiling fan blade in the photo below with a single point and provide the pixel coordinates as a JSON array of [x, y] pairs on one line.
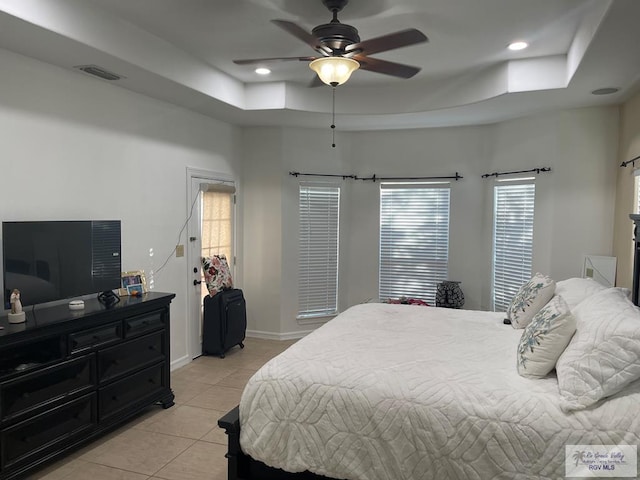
[[387, 68], [403, 38], [251, 61], [301, 34]]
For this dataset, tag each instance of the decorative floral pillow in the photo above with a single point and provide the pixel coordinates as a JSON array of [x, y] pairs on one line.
[[531, 297], [545, 338], [217, 275], [603, 356]]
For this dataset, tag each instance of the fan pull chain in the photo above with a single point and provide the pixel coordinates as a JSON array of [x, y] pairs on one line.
[[333, 119]]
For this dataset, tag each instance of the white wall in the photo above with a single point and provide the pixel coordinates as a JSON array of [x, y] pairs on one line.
[[77, 147], [310, 150], [434, 152], [262, 178], [625, 200], [271, 221], [574, 203], [74, 147]]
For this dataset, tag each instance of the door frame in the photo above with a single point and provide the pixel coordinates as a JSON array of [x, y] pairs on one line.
[[193, 249]]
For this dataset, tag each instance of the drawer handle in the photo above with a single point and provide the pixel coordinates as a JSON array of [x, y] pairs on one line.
[[152, 347], [114, 398], [96, 338], [26, 439], [151, 380], [25, 395]]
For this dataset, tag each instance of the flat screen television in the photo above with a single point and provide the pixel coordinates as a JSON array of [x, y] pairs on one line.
[[55, 260]]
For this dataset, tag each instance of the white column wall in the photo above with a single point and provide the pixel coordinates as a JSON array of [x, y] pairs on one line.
[[263, 243]]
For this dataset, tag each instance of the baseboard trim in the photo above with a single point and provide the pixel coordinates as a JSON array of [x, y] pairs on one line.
[[277, 336], [180, 362]]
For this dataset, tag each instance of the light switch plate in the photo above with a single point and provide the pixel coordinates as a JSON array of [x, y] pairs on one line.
[[179, 250]]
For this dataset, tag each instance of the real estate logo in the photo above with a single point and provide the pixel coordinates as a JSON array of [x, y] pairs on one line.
[[601, 461]]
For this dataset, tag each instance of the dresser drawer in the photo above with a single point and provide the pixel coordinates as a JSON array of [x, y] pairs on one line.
[[95, 337], [129, 356], [144, 323], [46, 432], [130, 390], [47, 386]]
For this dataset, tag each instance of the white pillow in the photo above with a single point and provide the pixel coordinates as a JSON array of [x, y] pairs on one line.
[[531, 297], [545, 338], [575, 290], [603, 356]]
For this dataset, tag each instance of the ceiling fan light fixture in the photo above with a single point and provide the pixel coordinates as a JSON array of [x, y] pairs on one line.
[[334, 71]]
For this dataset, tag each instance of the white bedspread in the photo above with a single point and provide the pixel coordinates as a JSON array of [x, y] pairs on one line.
[[406, 392]]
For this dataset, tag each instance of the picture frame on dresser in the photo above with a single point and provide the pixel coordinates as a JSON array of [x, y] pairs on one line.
[[133, 281]]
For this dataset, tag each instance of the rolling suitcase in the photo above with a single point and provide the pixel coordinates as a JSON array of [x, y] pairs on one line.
[[224, 322]]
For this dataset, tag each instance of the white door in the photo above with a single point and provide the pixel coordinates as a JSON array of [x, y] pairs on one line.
[[211, 229]]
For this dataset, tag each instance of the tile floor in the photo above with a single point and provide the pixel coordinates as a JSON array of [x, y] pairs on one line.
[[183, 442]]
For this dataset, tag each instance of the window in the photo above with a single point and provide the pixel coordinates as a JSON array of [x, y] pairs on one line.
[[636, 196], [318, 262], [217, 223], [414, 239], [512, 240], [217, 212]]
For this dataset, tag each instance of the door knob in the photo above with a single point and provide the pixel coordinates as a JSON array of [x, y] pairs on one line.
[[197, 282]]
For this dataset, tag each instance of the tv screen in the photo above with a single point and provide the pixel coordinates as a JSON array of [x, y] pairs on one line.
[[54, 260]]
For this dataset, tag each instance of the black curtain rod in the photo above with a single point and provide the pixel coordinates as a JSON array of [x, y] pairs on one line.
[[633, 160], [298, 174], [533, 170], [375, 178]]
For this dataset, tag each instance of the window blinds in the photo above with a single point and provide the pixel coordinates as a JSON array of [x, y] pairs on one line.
[[318, 265], [414, 240], [512, 240], [636, 187], [217, 224]]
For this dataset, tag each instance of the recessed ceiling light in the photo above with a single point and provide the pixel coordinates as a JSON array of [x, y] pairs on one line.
[[605, 91], [263, 71], [518, 46]]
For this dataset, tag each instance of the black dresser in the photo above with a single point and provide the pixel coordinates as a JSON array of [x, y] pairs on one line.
[[68, 376]]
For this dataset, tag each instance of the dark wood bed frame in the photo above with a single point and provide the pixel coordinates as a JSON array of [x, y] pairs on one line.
[[243, 467]]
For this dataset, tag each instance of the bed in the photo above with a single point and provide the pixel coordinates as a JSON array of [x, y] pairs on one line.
[[408, 392]]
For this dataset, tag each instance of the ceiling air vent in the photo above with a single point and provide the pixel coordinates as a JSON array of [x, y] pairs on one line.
[[99, 72]]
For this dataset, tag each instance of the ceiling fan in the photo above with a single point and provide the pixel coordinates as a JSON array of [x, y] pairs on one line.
[[341, 50]]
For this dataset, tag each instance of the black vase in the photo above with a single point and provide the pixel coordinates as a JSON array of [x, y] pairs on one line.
[[449, 295]]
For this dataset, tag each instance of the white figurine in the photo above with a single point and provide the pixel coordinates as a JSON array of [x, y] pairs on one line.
[[16, 304], [16, 315]]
